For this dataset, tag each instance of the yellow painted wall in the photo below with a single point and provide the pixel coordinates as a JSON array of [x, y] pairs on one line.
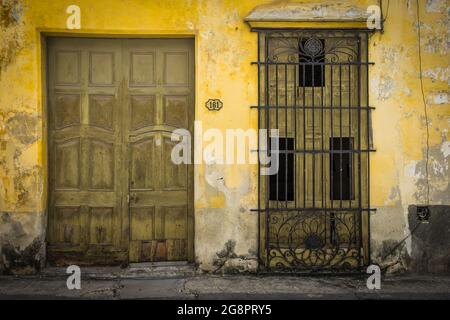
[[225, 48], [399, 131]]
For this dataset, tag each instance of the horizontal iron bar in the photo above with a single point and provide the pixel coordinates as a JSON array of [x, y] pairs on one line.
[[319, 107], [315, 209], [344, 30], [317, 151], [328, 246], [314, 63]]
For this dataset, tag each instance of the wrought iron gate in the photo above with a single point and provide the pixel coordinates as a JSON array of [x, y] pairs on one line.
[[314, 213]]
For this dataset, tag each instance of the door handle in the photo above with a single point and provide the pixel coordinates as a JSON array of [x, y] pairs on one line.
[[132, 197]]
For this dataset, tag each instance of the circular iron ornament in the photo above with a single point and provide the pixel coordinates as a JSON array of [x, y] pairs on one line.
[[214, 104], [301, 242], [313, 241], [313, 46]]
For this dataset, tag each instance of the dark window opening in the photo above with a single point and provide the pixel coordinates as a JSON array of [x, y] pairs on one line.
[[340, 168], [311, 75], [283, 181]]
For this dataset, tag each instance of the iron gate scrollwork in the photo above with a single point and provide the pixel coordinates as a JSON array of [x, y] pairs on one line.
[[314, 213]]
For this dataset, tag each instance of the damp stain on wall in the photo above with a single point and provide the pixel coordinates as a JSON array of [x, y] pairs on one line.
[[11, 31]]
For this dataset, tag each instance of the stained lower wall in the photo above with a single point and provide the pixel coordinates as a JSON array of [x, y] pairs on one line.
[[430, 241], [225, 228]]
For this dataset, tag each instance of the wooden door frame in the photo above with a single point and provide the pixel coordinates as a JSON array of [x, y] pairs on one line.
[[43, 35]]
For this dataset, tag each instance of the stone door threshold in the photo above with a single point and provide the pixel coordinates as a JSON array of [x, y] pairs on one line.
[[151, 270]]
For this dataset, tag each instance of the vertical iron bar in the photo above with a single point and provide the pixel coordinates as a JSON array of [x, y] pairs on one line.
[[276, 126], [322, 133], [295, 135], [340, 136], [350, 172], [366, 47], [286, 135], [360, 246], [351, 154], [304, 134], [259, 148], [331, 142], [267, 113], [313, 111]]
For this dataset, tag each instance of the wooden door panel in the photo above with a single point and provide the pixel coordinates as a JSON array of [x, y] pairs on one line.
[[67, 110], [175, 110], [142, 223], [142, 111], [143, 174], [175, 65], [177, 249], [101, 111], [174, 221], [174, 176], [142, 68], [102, 68], [101, 168], [67, 66], [67, 230], [67, 164], [100, 226]]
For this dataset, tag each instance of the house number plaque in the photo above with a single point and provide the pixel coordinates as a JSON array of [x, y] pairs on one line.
[[214, 104]]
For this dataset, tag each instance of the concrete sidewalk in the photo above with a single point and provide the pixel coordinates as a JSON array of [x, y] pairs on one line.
[[226, 287]]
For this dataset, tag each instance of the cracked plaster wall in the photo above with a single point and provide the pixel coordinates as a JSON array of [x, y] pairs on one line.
[[398, 166]]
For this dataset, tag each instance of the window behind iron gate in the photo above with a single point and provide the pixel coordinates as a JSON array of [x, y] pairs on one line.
[[314, 213]]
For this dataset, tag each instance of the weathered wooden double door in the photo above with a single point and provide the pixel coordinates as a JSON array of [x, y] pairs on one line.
[[114, 193]]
